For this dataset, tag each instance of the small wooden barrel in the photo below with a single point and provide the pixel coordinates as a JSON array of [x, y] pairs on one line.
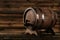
[[39, 18]]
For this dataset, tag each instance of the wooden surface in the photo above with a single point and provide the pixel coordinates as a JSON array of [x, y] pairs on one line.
[[30, 37], [11, 13], [11, 19]]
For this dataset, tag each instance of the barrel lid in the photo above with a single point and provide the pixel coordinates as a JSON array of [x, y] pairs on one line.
[[31, 15]]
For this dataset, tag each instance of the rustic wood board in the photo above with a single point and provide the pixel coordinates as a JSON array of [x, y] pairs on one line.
[[31, 37]]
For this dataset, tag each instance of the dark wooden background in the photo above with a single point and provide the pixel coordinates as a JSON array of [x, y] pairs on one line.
[[11, 19], [11, 14]]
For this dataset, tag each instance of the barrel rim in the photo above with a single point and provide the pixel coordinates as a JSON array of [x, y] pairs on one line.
[[30, 8]]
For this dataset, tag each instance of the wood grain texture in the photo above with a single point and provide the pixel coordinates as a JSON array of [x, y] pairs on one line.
[[11, 12]]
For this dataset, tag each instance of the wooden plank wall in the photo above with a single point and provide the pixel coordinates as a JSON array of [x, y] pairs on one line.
[[11, 12]]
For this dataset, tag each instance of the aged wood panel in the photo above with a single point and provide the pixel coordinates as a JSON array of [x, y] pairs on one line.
[[11, 13], [40, 1], [19, 3], [12, 0], [29, 0]]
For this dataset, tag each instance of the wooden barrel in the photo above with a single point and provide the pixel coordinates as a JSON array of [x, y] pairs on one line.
[[40, 18]]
